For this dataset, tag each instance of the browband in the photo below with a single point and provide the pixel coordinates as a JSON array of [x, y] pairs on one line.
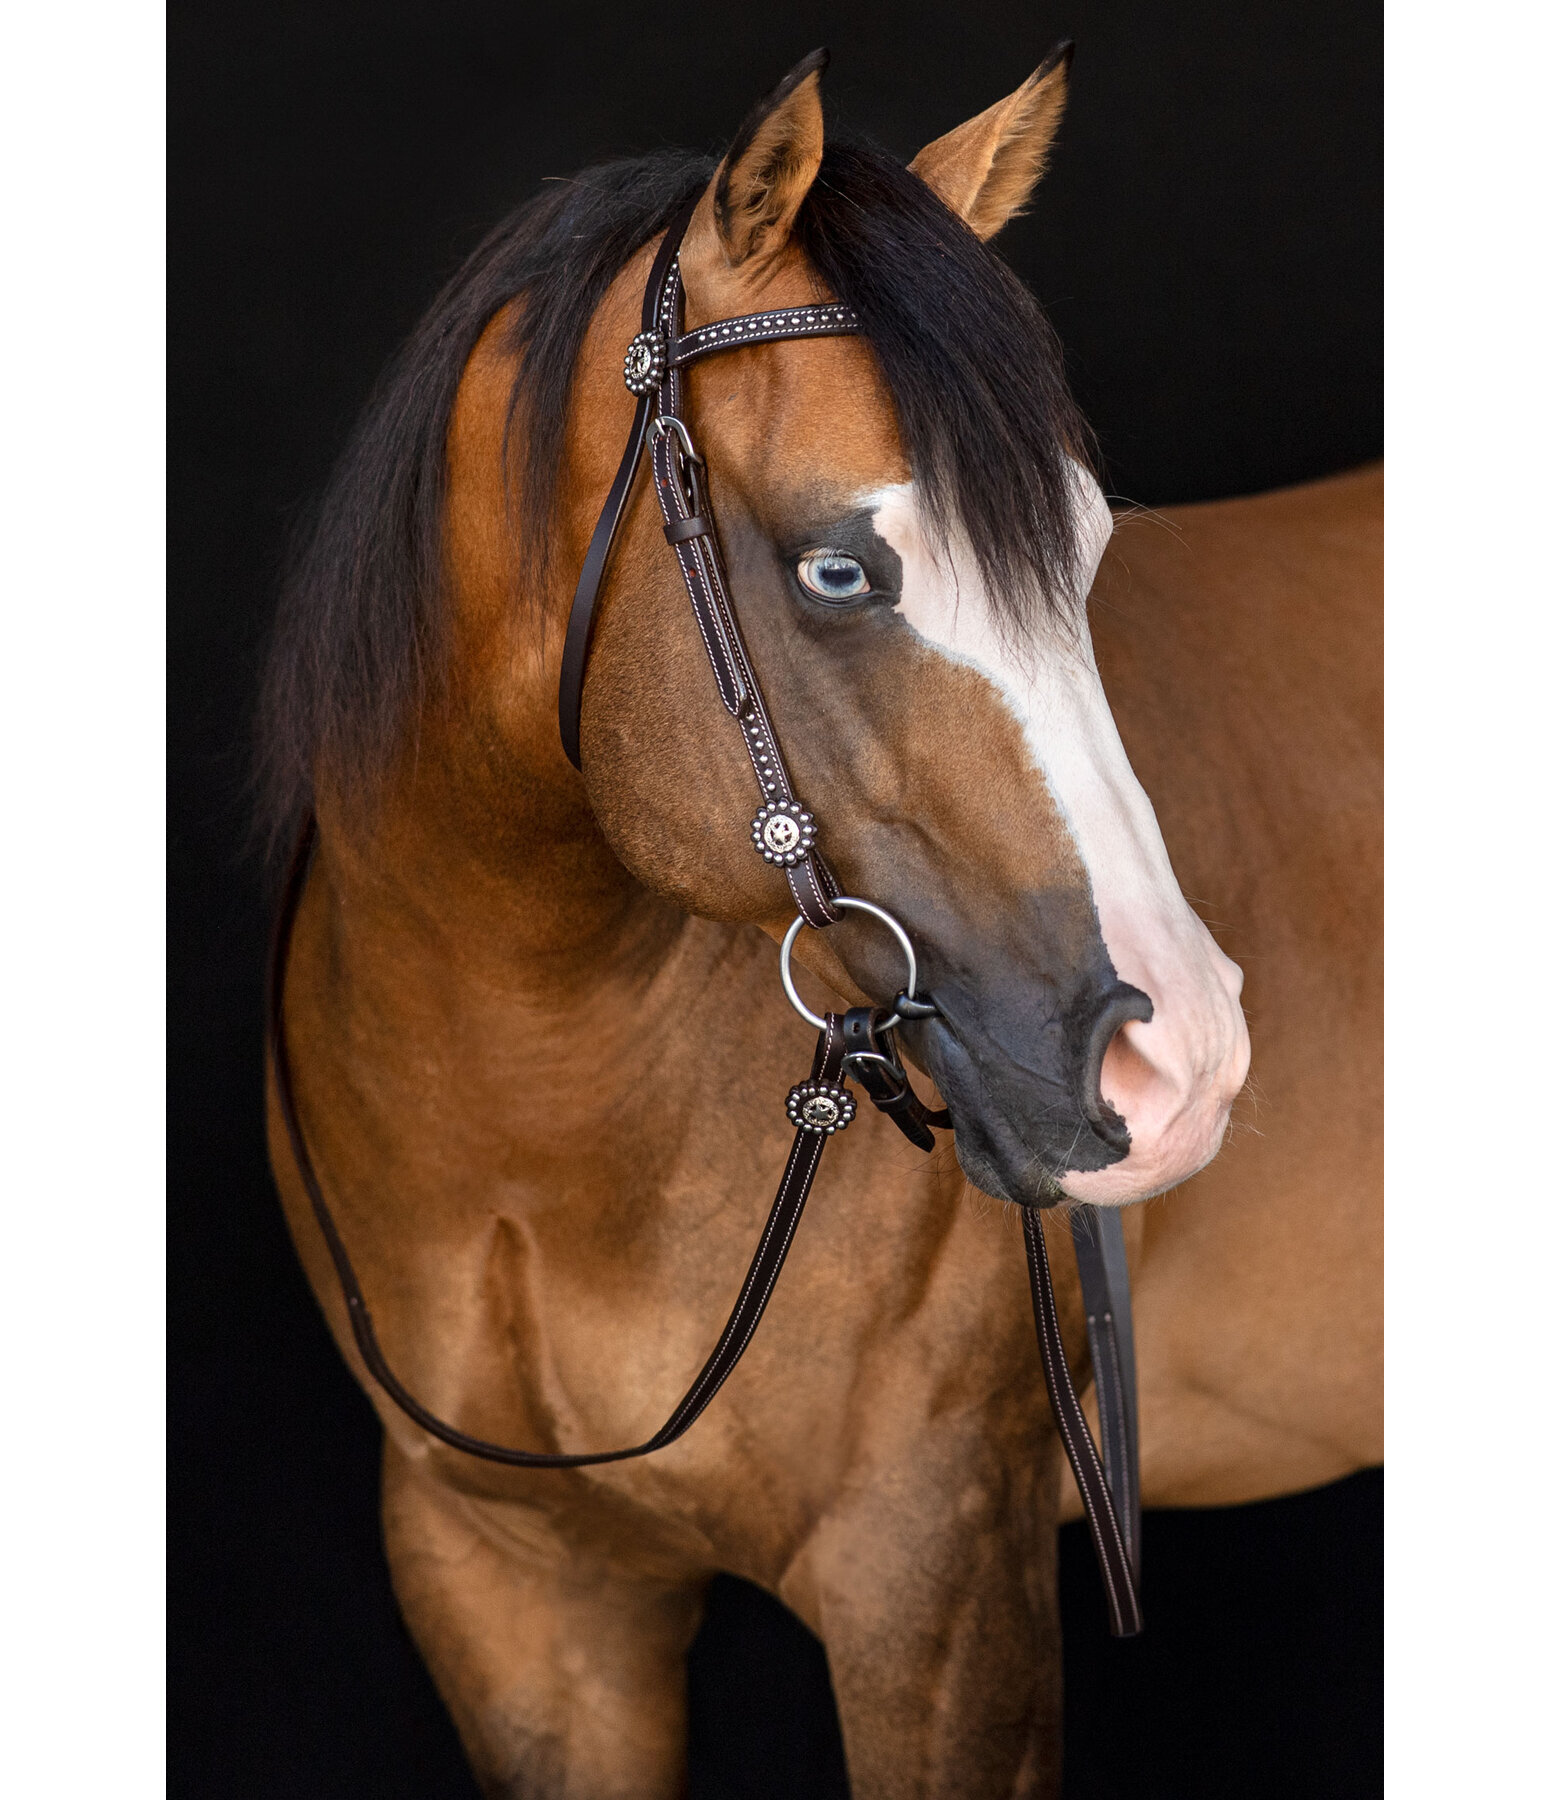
[[831, 320]]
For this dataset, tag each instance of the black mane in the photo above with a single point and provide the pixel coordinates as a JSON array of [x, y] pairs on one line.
[[974, 369]]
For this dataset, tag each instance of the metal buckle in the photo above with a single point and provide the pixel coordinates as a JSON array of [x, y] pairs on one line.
[[890, 1065], [691, 463], [666, 422]]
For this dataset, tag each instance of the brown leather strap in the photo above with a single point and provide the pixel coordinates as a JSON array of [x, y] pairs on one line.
[[691, 532], [583, 607], [829, 320], [758, 1284], [670, 353], [1119, 1581], [1097, 1232], [678, 478], [826, 1084], [872, 1061]]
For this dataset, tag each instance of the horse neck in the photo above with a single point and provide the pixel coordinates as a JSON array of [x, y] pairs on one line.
[[468, 877], [500, 999], [481, 868], [482, 832]]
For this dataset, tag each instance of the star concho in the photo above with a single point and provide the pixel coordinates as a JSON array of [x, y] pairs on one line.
[[783, 832], [644, 362], [816, 1107]]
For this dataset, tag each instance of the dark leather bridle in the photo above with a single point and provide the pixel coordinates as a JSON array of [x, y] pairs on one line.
[[857, 1044]]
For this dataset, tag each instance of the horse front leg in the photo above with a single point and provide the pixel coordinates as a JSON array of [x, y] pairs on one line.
[[939, 1609], [564, 1676]]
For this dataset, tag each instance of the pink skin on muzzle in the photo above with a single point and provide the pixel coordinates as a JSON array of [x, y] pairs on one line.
[[1173, 1079]]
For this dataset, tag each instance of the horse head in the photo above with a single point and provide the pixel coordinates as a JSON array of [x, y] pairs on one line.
[[911, 528]]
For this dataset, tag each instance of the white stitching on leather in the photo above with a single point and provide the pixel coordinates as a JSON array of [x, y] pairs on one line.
[[793, 1163], [833, 320]]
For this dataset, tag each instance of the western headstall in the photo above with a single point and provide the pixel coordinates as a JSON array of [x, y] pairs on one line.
[[857, 1044]]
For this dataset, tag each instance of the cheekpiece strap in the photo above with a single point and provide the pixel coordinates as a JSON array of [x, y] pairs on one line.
[[652, 365], [783, 830]]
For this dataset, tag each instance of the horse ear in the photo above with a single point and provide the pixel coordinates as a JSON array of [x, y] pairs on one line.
[[744, 217], [987, 168]]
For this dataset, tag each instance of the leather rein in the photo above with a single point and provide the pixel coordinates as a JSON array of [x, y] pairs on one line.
[[856, 1045]]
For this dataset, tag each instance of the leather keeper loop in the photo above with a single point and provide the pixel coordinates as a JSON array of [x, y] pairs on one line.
[[683, 529]]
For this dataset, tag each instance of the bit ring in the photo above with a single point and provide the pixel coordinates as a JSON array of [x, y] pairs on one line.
[[878, 913]]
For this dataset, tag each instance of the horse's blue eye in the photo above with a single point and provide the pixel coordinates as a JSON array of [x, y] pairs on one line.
[[831, 575]]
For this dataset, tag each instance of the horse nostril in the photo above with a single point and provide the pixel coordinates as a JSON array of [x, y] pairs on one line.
[[1120, 1005]]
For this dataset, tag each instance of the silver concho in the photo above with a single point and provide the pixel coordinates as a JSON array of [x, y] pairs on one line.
[[783, 832], [644, 362], [816, 1107]]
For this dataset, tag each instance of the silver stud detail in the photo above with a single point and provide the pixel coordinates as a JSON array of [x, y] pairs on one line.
[[783, 832], [644, 362], [816, 1107]]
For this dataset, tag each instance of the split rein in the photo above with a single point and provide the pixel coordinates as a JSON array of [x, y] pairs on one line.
[[856, 1045]]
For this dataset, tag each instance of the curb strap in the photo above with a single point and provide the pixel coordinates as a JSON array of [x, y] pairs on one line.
[[827, 1080], [873, 1063], [1119, 1578]]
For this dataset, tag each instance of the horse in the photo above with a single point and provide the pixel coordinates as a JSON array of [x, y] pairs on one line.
[[533, 1012]]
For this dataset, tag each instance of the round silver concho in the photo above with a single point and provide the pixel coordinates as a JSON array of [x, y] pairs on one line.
[[816, 1107], [644, 362], [783, 832]]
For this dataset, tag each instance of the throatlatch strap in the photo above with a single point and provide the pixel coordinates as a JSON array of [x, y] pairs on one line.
[[1119, 1581], [758, 1284]]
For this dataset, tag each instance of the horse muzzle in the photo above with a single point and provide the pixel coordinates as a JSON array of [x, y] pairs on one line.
[[1086, 1090]]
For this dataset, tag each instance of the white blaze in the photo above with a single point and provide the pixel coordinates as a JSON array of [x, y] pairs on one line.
[[1173, 1079]]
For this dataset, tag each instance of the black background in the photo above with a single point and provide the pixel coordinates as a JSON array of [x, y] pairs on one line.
[[1207, 243]]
